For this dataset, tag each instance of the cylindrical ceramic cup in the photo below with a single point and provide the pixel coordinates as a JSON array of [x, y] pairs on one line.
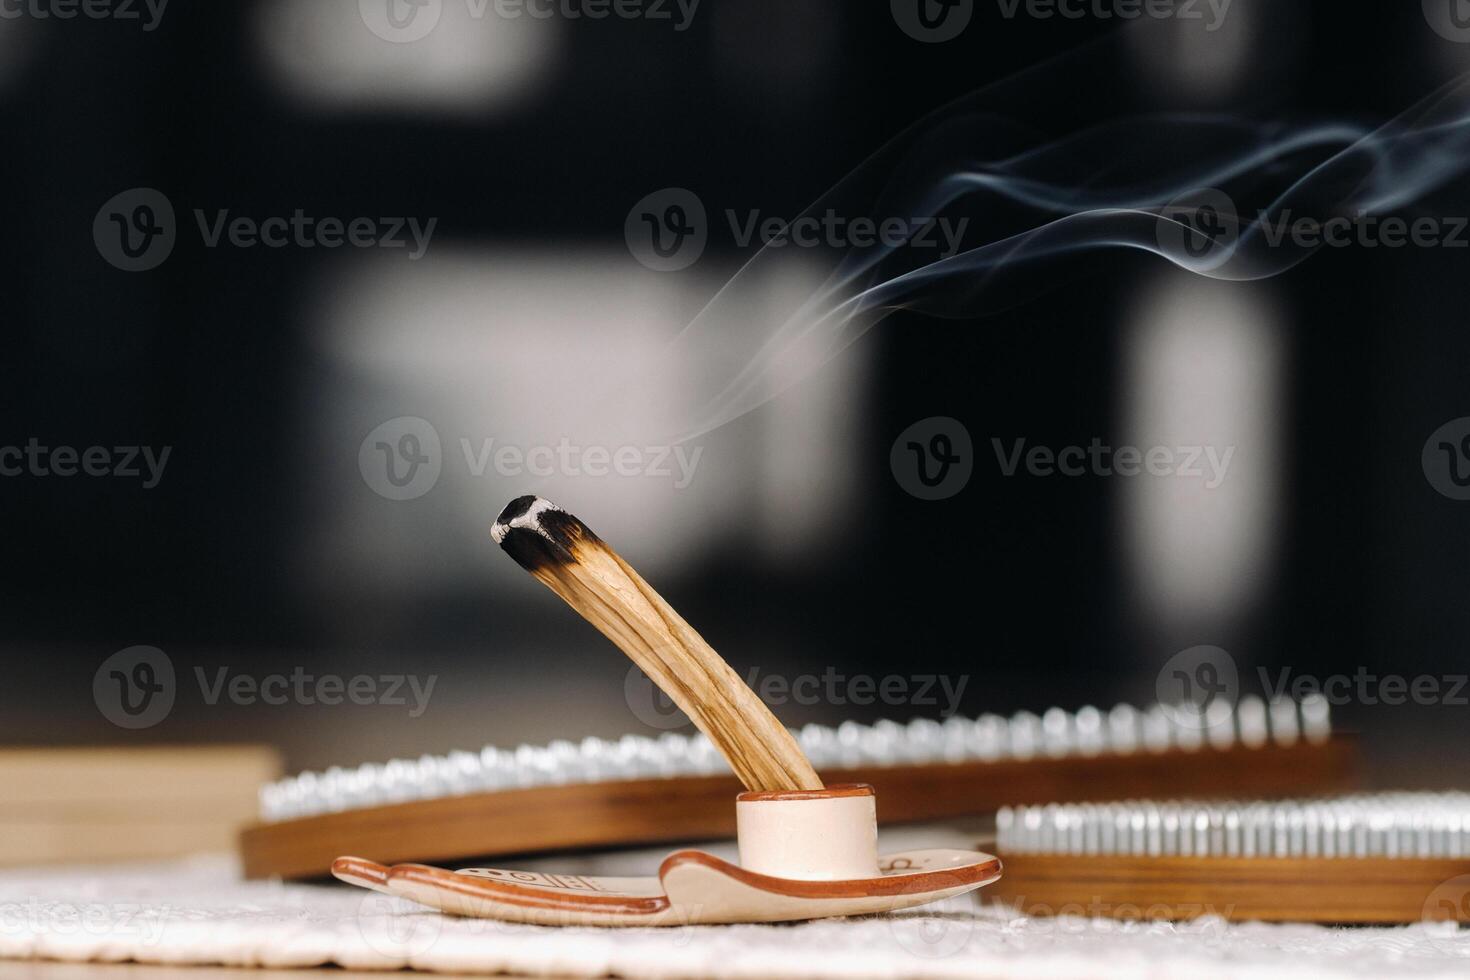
[[816, 835]]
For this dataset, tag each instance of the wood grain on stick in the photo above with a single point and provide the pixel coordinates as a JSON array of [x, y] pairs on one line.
[[560, 551]]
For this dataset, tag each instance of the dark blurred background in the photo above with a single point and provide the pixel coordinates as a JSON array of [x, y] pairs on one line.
[[263, 549]]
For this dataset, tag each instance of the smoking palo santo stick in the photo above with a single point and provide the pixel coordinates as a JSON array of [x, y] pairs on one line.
[[564, 554]]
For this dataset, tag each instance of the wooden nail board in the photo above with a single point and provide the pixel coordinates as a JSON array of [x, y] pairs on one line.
[[1332, 890], [682, 809]]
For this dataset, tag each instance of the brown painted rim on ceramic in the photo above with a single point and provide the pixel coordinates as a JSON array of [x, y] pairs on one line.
[[514, 894], [361, 871], [912, 883], [833, 792]]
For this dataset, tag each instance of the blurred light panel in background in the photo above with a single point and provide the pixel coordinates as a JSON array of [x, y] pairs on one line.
[[532, 348], [1217, 51], [1203, 367], [19, 39], [801, 477], [385, 55]]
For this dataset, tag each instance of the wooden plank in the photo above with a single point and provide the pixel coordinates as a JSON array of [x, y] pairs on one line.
[[66, 805], [1344, 890], [153, 773]]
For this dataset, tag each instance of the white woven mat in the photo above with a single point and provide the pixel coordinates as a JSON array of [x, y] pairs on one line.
[[199, 912]]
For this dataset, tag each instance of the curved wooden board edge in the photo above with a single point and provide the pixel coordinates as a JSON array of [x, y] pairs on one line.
[[692, 888]]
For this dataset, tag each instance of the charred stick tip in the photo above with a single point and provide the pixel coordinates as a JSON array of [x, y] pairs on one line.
[[536, 532]]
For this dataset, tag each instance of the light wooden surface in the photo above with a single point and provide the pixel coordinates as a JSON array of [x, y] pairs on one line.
[[657, 811], [67, 805]]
